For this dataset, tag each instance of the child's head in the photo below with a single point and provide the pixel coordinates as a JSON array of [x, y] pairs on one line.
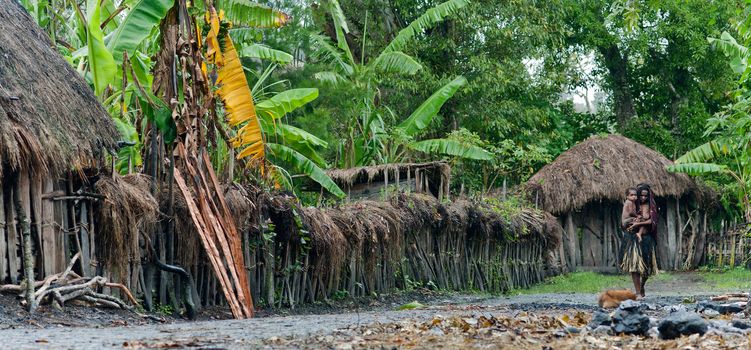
[[631, 194]]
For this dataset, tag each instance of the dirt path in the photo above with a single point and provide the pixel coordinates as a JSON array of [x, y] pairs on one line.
[[346, 328]]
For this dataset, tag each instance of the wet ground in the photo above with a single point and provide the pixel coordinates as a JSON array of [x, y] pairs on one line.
[[445, 321]]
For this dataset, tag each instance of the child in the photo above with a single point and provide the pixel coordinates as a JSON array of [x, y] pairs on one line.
[[631, 215]]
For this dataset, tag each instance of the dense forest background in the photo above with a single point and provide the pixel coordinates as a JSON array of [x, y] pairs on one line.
[[497, 87]]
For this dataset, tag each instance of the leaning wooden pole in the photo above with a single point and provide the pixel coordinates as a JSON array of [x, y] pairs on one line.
[[28, 257]]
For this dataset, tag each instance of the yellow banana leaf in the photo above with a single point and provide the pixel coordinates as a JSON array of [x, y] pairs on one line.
[[213, 51], [238, 102]]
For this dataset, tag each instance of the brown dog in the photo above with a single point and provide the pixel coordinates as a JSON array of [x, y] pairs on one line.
[[611, 298]]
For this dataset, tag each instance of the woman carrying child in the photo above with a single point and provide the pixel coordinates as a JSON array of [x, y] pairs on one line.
[[639, 220]]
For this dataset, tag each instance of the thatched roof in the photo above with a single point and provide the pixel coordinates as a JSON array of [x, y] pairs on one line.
[[367, 174], [602, 168], [49, 117]]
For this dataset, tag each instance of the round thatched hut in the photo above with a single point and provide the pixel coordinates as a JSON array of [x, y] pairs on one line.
[[584, 187], [51, 125]]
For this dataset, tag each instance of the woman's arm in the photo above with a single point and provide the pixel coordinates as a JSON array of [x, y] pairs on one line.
[[642, 223]]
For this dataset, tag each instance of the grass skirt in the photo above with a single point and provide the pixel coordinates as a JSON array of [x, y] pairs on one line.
[[638, 257]]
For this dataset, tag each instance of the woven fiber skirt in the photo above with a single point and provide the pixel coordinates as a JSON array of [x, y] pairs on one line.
[[638, 257]]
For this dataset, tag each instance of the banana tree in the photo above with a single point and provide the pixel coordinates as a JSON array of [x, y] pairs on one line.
[[370, 139], [728, 153], [261, 134]]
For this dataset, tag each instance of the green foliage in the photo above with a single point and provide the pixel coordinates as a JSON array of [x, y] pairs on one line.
[[137, 25], [728, 151], [265, 53], [101, 63], [396, 62], [305, 166], [429, 19], [424, 114], [286, 102], [128, 157], [451, 148], [250, 14]]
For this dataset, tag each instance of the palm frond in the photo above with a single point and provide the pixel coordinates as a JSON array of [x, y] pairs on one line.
[[341, 29], [430, 18], [396, 62], [452, 148], [328, 52], [697, 168], [250, 14], [424, 114], [329, 77], [706, 152], [265, 53], [136, 26], [286, 102], [738, 53]]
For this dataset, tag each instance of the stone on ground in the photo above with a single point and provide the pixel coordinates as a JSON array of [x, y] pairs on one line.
[[681, 323]]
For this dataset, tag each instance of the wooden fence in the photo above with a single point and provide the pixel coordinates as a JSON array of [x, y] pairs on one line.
[[61, 221]]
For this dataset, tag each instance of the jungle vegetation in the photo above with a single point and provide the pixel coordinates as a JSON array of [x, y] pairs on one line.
[[498, 88]]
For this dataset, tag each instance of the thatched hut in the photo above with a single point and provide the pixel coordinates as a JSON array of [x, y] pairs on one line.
[[373, 182], [584, 187], [52, 129]]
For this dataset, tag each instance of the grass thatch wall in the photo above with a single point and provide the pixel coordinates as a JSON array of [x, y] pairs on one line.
[[300, 254], [297, 254]]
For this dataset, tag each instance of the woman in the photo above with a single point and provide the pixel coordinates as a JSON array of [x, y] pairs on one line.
[[639, 255]]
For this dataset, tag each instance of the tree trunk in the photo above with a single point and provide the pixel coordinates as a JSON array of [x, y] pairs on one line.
[[617, 66]]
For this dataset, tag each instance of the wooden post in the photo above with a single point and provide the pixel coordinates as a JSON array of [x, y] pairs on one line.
[[671, 233], [35, 214], [49, 241], [84, 239], [732, 250], [570, 234], [3, 242], [14, 261], [565, 267], [701, 242], [606, 237], [385, 182], [679, 235], [20, 194]]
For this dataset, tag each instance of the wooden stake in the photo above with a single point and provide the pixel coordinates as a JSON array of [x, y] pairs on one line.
[[49, 243], [22, 186], [3, 241]]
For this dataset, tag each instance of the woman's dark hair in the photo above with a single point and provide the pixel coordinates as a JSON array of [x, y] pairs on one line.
[[641, 187], [651, 200]]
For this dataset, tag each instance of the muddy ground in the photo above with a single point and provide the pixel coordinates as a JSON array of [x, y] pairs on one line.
[[447, 321]]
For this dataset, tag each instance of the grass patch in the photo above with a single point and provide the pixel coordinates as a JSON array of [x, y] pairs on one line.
[[738, 278], [587, 282], [578, 282]]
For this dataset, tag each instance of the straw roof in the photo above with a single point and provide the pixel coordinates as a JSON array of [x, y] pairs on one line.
[[602, 168], [50, 119], [367, 174]]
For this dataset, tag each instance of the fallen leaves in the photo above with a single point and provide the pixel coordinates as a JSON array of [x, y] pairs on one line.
[[520, 330]]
